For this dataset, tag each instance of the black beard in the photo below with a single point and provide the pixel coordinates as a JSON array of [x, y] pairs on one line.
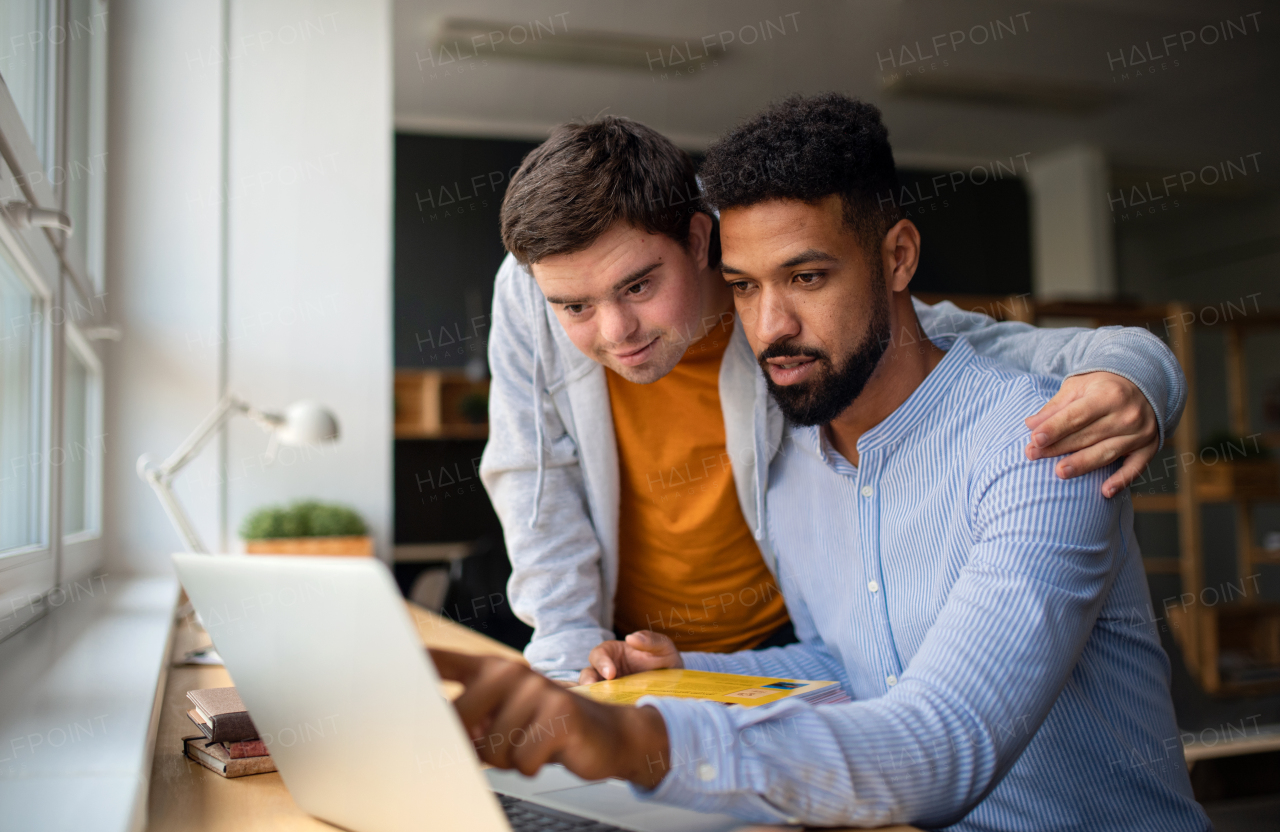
[[830, 392]]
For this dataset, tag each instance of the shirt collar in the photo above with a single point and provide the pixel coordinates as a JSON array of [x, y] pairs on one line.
[[908, 414], [922, 400]]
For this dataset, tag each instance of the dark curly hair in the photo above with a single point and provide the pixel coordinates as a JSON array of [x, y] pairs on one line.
[[805, 149]]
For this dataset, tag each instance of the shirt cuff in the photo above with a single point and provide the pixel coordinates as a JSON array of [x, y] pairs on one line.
[[705, 768], [565, 651], [702, 742], [1144, 360]]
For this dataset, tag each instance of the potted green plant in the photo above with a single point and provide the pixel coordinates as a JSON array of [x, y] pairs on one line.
[[306, 527]]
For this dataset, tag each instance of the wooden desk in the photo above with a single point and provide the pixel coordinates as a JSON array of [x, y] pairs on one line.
[[185, 797]]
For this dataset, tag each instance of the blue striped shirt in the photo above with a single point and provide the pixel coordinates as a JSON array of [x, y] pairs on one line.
[[991, 621]]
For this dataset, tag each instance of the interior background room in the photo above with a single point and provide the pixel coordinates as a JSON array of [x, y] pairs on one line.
[[1061, 122], [298, 199]]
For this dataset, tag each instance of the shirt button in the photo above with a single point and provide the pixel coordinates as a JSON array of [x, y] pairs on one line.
[[873, 586], [867, 491], [707, 772], [892, 680]]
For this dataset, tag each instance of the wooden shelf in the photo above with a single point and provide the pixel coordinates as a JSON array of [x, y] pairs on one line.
[[1263, 739], [444, 432], [433, 404], [1103, 314], [1000, 307], [185, 797], [1210, 632], [1155, 502], [1222, 642], [1226, 482]]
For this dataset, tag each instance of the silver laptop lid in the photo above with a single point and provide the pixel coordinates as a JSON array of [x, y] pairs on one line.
[[328, 663]]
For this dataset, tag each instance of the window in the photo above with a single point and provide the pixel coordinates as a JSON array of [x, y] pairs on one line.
[[52, 156], [25, 27], [80, 455], [82, 171], [20, 412]]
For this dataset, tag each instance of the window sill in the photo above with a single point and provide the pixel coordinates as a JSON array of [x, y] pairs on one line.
[[78, 706]]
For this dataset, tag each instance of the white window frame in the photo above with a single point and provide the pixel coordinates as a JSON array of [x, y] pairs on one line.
[[68, 295], [28, 573], [82, 550]]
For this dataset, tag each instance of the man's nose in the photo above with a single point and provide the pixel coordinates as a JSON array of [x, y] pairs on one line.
[[617, 324], [777, 319]]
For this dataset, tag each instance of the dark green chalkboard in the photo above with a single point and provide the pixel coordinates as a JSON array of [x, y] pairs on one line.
[[447, 248]]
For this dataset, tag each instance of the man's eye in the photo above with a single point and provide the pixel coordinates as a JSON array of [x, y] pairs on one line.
[[638, 288], [573, 308], [739, 285], [807, 277]]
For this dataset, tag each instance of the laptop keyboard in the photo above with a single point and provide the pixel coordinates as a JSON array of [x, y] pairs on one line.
[[531, 817]]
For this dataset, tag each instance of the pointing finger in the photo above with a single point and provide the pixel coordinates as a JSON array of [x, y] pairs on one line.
[[458, 667]]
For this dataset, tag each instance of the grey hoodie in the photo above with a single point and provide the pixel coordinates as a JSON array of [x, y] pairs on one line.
[[551, 464]]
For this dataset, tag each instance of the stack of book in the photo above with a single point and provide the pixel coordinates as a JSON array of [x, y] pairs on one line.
[[228, 743]]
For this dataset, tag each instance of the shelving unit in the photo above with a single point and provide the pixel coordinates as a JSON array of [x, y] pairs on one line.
[[433, 404], [1229, 637]]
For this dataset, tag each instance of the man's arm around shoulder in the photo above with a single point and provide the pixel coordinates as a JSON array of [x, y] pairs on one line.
[[1121, 397]]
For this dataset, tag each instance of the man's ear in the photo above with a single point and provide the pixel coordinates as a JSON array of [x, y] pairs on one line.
[[700, 238], [901, 250]]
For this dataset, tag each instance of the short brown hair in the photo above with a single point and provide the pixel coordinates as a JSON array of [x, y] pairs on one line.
[[588, 176]]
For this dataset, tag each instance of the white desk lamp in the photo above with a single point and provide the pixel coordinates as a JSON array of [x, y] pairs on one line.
[[303, 423]]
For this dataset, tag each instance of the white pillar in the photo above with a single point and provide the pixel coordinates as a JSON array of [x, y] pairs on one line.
[[311, 157], [1073, 253], [309, 267], [162, 261]]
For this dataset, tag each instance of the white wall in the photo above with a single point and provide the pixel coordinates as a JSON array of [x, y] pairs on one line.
[[1073, 256], [309, 253], [161, 265], [311, 142]]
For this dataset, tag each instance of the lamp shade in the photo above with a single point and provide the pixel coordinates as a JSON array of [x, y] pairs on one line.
[[307, 423]]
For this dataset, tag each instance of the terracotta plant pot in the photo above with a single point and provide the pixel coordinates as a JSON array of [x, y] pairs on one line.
[[353, 546]]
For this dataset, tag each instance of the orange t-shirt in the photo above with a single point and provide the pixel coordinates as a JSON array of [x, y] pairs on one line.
[[688, 563]]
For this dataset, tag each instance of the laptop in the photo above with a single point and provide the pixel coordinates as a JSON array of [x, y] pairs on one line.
[[331, 668]]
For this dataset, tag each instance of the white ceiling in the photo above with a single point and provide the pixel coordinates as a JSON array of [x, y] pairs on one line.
[[1219, 102]]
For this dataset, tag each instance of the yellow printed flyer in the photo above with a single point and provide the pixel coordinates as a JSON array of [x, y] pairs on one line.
[[731, 689]]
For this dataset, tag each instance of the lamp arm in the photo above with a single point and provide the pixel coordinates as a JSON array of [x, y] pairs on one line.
[[160, 476], [177, 516], [193, 444]]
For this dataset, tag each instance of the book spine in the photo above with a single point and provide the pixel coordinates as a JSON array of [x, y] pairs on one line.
[[232, 727], [247, 748], [210, 762], [209, 757]]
